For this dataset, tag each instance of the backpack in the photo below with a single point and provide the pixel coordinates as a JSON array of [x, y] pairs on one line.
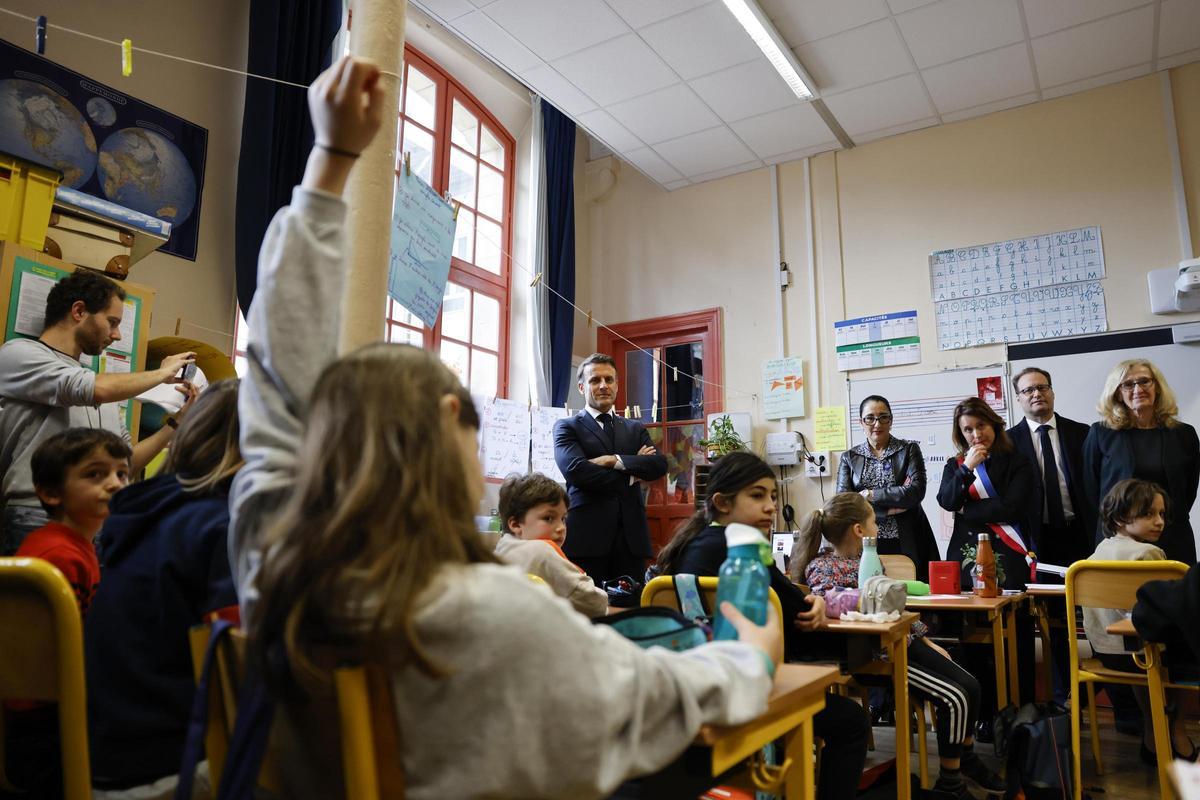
[[881, 595], [1035, 743]]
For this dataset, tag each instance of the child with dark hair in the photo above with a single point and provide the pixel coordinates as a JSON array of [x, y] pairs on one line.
[[1133, 515], [534, 510]]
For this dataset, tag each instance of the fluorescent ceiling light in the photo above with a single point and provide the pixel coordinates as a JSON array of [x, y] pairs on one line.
[[771, 43]]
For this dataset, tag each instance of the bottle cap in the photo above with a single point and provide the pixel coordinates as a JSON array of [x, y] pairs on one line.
[[737, 534], [870, 541], [983, 537]]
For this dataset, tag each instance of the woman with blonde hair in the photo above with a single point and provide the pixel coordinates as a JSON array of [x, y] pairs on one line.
[[1139, 436]]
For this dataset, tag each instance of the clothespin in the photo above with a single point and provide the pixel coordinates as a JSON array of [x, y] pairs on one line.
[[39, 35], [589, 318], [456, 205], [626, 412], [178, 324], [127, 57], [637, 411], [654, 412], [407, 165], [536, 280], [676, 373]]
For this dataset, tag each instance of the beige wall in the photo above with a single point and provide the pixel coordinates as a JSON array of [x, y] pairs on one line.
[[200, 292], [1096, 158]]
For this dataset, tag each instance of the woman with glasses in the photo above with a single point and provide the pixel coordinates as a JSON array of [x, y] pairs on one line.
[[1138, 436], [890, 473]]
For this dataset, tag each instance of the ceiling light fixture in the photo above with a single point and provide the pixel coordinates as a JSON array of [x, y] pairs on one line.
[[752, 18]]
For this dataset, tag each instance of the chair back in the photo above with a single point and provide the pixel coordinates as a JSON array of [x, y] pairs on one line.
[[370, 733], [41, 658], [898, 567], [661, 592], [1114, 584]]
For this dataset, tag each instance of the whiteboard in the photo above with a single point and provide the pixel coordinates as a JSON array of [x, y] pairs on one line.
[[1079, 368], [923, 408]]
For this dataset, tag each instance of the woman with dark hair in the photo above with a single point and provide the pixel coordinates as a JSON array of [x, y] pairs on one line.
[[988, 486], [890, 473]]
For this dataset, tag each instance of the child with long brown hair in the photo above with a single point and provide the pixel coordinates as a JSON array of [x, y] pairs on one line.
[[361, 480], [932, 675]]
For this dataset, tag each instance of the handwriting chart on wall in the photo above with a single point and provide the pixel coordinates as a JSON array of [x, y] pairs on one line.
[[1036, 287], [505, 433]]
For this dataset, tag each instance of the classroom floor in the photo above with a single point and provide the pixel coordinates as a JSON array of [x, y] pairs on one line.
[[1125, 776]]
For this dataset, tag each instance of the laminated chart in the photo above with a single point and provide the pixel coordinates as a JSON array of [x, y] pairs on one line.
[[1036, 287], [883, 340]]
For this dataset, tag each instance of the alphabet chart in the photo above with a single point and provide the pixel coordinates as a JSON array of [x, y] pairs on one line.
[[1037, 287]]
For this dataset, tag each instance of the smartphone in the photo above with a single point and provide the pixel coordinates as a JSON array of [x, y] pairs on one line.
[[188, 372]]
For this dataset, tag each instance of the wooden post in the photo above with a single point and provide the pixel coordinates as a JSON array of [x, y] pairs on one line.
[[377, 33]]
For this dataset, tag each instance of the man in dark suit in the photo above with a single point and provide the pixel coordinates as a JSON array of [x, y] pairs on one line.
[[603, 457], [1055, 446]]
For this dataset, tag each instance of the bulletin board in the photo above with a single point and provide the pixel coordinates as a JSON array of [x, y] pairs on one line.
[[26, 277]]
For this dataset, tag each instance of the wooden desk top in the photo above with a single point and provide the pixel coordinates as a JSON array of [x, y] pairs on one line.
[[883, 629], [1122, 627], [794, 683], [964, 602], [1046, 590]]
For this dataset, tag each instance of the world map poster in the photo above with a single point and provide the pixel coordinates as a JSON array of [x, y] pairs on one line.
[[105, 143]]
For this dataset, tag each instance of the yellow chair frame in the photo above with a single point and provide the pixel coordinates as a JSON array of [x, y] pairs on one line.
[[661, 592], [1114, 584], [41, 658]]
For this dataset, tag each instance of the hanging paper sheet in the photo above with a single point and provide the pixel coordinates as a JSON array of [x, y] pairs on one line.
[[422, 238]]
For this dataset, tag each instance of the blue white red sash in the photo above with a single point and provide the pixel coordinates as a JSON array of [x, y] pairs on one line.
[[1010, 534]]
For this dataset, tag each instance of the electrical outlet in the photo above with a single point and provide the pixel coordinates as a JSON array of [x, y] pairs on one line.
[[818, 467]]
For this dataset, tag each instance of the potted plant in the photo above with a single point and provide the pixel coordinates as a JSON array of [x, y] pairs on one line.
[[722, 439]]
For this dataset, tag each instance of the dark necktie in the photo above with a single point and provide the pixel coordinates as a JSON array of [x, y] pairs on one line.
[[606, 422], [1054, 506]]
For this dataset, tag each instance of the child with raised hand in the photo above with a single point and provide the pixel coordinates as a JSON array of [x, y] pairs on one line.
[[741, 488], [360, 484], [534, 510], [932, 676], [1133, 515]]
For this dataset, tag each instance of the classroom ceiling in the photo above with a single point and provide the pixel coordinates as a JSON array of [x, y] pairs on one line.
[[677, 89]]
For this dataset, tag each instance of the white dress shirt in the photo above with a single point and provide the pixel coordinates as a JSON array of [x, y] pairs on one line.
[[1068, 509], [594, 414]]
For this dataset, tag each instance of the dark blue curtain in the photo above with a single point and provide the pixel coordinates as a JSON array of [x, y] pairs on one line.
[[288, 40], [559, 139]]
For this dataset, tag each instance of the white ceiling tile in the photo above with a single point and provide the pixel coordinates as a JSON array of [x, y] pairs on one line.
[[553, 28], [900, 6], [478, 28], [1179, 59], [616, 70], [881, 105], [725, 173], [446, 9], [981, 79], [988, 108], [673, 185], [701, 41], [803, 22], [855, 58], [482, 3], [896, 130], [783, 131], [652, 164], [666, 114], [1178, 27], [1100, 80], [561, 93], [955, 28], [611, 132], [1095, 48], [745, 90], [716, 148], [639, 13], [1046, 17], [796, 155]]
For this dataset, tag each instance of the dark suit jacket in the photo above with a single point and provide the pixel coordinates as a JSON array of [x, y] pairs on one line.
[[602, 502], [1071, 435]]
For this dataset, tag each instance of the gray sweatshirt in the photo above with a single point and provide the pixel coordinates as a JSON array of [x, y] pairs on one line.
[[538, 702]]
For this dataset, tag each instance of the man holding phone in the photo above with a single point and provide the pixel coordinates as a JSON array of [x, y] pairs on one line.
[[44, 389]]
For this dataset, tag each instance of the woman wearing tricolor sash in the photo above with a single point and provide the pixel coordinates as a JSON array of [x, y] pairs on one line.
[[992, 489]]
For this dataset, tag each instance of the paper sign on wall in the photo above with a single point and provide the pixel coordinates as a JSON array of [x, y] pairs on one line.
[[505, 431], [422, 240], [829, 429], [882, 340], [783, 388], [543, 441]]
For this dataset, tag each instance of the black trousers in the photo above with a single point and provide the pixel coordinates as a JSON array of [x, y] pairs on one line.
[[953, 691], [619, 561]]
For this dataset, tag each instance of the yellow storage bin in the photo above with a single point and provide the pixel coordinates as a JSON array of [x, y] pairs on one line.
[[26, 198]]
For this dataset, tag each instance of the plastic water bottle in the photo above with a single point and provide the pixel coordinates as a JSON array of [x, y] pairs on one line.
[[744, 580], [869, 564]]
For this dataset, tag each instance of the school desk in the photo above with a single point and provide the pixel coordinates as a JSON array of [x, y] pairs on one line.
[[1000, 616], [1040, 596], [891, 637], [798, 695]]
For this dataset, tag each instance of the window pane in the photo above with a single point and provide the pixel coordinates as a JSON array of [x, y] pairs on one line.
[[243, 333], [241, 366], [683, 452], [398, 313], [462, 177], [485, 371], [491, 150], [487, 246], [464, 236], [420, 98], [486, 329], [456, 312], [457, 358], [398, 334], [685, 397], [641, 379], [465, 128], [491, 192], [420, 145]]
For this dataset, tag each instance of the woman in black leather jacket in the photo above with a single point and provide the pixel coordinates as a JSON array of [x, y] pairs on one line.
[[890, 474]]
